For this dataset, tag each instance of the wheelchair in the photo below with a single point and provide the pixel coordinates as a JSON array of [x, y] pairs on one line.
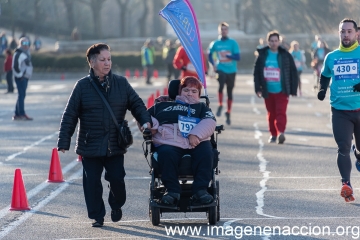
[[157, 189]]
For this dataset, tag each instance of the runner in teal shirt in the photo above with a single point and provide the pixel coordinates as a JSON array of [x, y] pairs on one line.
[[227, 54], [272, 74], [344, 70], [343, 67]]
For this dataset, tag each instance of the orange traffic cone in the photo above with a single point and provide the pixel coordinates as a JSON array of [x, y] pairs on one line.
[[156, 73], [55, 172], [165, 91], [79, 158], [150, 102], [19, 199], [157, 93], [127, 73], [137, 73]]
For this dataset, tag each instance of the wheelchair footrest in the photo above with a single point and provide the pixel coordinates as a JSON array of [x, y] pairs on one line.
[[213, 204], [155, 204]]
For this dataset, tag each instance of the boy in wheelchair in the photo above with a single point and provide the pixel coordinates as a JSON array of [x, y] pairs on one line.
[[183, 126]]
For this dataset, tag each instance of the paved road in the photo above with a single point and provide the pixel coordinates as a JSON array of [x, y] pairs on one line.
[[264, 187]]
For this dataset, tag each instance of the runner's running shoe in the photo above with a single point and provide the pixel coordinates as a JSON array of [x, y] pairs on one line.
[[347, 192]]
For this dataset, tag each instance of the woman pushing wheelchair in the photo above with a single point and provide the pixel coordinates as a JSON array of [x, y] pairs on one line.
[[180, 127]]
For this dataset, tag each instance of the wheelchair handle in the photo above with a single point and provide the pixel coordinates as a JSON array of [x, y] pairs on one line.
[[147, 134]]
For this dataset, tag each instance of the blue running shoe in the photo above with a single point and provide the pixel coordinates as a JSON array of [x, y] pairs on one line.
[[357, 162]]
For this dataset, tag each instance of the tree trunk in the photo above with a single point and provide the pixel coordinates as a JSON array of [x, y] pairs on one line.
[[142, 20], [69, 5]]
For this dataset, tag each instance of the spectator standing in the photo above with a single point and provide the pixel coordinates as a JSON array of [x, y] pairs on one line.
[[37, 43], [148, 59], [3, 42], [275, 78], [168, 54], [182, 62], [228, 53], [13, 43], [22, 70], [8, 70]]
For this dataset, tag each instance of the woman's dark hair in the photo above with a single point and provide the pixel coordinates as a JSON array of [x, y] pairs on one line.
[[95, 49], [273, 33], [192, 81]]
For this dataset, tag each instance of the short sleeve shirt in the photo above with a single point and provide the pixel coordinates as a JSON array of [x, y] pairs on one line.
[[344, 70], [223, 48]]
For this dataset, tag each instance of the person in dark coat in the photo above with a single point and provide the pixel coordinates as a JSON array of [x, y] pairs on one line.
[[275, 78], [97, 133]]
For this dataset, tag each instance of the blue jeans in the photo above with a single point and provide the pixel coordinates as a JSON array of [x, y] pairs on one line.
[[21, 84]]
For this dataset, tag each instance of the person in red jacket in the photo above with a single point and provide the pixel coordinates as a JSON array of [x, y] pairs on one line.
[[181, 61], [8, 70]]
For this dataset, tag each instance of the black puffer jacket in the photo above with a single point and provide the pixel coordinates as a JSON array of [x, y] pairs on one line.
[[97, 133], [288, 72]]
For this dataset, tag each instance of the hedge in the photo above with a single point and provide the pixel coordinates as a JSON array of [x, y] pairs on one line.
[[73, 62], [131, 60]]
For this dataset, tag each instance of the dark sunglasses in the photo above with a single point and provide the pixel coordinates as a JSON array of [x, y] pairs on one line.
[[25, 43]]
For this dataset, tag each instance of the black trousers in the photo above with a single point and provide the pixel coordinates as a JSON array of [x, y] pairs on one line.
[[93, 190], [201, 163], [171, 71], [346, 125], [229, 80]]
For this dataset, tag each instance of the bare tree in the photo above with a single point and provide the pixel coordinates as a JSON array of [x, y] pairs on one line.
[[69, 5], [123, 7], [142, 20]]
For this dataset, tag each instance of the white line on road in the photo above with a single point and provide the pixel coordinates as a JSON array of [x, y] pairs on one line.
[[39, 187], [30, 146], [41, 204], [262, 165]]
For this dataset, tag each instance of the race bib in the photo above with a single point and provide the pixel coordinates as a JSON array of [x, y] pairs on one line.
[[272, 74], [186, 124], [346, 69], [297, 63], [222, 56], [190, 67]]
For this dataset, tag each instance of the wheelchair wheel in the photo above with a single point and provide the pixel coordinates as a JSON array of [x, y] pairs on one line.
[[154, 214], [218, 200], [212, 215]]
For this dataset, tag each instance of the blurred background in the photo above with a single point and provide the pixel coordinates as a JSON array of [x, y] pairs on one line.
[[67, 28]]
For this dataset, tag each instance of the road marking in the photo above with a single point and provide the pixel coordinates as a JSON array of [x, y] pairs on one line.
[[262, 168], [57, 87], [31, 146], [35, 87], [62, 186], [39, 187], [134, 85]]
